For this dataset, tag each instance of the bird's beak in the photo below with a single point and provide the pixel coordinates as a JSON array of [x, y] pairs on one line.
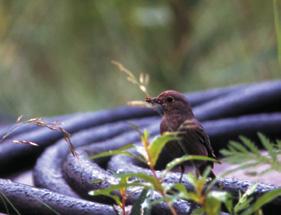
[[156, 104], [153, 101]]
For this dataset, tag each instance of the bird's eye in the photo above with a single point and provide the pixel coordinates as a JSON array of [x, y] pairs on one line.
[[170, 99]]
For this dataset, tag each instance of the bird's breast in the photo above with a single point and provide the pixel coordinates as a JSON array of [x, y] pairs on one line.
[[171, 123]]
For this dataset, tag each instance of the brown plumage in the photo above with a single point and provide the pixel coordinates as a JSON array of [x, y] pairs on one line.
[[178, 117]]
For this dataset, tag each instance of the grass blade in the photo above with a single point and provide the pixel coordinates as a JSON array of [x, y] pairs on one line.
[[121, 150], [261, 201], [137, 207]]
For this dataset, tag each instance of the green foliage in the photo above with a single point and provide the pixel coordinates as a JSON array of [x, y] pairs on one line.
[[109, 191], [244, 200], [178, 161], [209, 200], [139, 205], [214, 200], [247, 155], [157, 145], [120, 151], [153, 182], [261, 201]]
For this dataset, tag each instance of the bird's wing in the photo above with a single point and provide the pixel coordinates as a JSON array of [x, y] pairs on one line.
[[191, 132]]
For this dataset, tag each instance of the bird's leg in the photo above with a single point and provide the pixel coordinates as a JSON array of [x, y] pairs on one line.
[[182, 169]]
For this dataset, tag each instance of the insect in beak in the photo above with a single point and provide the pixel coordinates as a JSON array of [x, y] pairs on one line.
[[152, 101], [156, 103]]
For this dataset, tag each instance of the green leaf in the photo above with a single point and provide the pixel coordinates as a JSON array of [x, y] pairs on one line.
[[238, 147], [146, 207], [225, 152], [121, 150], [142, 156], [184, 194], [147, 178], [245, 199], [137, 206], [197, 183], [222, 196], [115, 198], [145, 135], [198, 211], [184, 158], [108, 192], [264, 199], [192, 179], [212, 205], [250, 145], [158, 144], [278, 142], [268, 146]]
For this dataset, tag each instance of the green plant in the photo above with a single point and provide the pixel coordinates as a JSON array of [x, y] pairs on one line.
[[209, 200], [247, 154], [148, 183]]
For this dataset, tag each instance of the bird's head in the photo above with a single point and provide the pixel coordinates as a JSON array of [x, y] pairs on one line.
[[171, 102]]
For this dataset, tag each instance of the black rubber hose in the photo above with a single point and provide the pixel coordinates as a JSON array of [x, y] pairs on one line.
[[47, 172], [223, 130], [79, 173], [200, 97], [30, 200], [251, 99], [11, 153]]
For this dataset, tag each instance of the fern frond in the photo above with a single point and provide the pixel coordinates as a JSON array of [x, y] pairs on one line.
[[248, 155]]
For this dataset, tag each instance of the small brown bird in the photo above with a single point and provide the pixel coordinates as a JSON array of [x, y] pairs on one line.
[[178, 117]]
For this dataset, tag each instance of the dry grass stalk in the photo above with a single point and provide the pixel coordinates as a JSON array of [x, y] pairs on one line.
[[141, 82], [55, 126], [25, 142]]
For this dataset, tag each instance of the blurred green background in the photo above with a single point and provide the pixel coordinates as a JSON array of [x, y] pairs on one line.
[[55, 55]]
